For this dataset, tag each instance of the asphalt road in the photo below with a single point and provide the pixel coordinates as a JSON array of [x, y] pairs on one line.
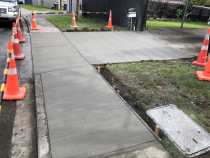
[[17, 121], [9, 107]]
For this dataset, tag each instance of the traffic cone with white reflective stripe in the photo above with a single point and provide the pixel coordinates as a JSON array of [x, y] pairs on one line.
[[74, 25], [20, 36], [13, 91], [14, 26], [34, 25], [16, 47], [205, 75], [202, 57], [110, 21], [13, 31]]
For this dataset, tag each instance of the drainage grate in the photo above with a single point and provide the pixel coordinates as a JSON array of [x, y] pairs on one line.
[[188, 136]]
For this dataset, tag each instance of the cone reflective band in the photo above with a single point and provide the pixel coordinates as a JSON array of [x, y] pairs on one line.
[[205, 75], [202, 57], [16, 47], [110, 21], [20, 37], [34, 25], [74, 25], [13, 91]]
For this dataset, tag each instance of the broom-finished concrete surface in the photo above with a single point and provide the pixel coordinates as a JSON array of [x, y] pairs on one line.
[[86, 118], [117, 47]]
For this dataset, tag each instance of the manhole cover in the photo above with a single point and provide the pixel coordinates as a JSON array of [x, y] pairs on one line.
[[188, 136]]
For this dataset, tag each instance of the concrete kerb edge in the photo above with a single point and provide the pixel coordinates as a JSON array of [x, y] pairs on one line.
[[43, 141]]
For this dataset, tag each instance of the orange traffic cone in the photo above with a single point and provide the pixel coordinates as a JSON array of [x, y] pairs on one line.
[[74, 25], [205, 75], [34, 25], [110, 21], [16, 47], [13, 91], [201, 61], [20, 36], [14, 26]]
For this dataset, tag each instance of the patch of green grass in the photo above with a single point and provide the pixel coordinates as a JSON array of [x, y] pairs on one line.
[[64, 23], [170, 24], [35, 7], [160, 83]]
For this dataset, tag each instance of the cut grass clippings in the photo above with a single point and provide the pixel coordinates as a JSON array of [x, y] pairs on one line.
[[86, 24], [160, 83], [170, 24], [35, 7]]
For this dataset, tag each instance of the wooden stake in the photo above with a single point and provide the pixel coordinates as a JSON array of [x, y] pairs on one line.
[[157, 130], [99, 69]]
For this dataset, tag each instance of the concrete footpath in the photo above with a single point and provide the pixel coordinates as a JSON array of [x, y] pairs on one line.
[[85, 116]]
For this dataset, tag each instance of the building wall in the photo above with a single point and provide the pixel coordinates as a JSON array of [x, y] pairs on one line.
[[71, 4], [47, 3]]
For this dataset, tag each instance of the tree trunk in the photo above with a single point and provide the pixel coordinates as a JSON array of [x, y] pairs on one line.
[[42, 3], [141, 8], [77, 10]]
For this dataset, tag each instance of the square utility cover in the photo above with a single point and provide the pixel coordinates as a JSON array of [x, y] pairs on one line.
[[189, 137]]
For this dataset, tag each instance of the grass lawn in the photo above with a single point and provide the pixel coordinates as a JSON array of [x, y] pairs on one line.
[[169, 24], [35, 7], [64, 23], [160, 83]]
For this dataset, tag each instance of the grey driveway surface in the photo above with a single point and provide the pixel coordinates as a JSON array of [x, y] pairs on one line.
[[117, 47]]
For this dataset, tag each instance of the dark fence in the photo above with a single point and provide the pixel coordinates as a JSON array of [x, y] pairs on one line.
[[163, 10], [169, 10], [119, 9], [200, 13]]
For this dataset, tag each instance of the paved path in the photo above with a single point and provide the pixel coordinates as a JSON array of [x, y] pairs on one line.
[[86, 118], [117, 47]]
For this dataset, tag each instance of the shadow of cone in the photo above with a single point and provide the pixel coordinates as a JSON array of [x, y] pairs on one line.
[[13, 91], [202, 57]]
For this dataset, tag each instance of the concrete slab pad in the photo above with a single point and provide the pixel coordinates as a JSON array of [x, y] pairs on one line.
[[115, 47], [189, 137], [86, 117]]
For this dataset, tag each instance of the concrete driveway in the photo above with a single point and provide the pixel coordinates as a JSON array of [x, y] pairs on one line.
[[121, 47]]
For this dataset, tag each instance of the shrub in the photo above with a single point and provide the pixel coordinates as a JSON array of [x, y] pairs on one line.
[[179, 13], [155, 16]]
